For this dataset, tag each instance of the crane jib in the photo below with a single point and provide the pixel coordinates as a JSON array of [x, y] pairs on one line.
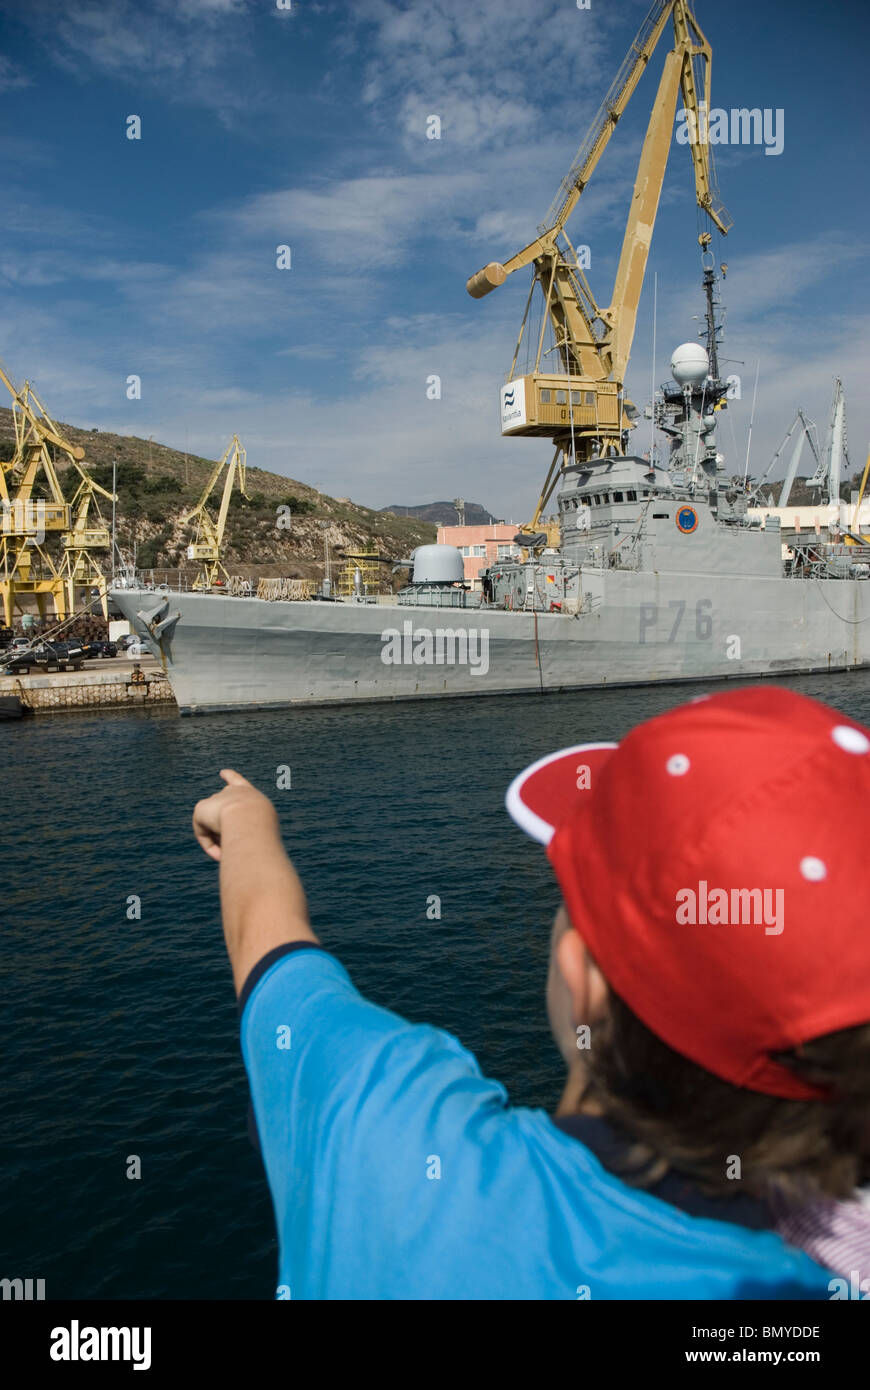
[[574, 394]]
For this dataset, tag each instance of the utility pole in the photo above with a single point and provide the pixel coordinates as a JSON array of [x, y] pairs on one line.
[[327, 580], [114, 493]]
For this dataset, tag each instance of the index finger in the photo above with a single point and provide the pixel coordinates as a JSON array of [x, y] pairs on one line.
[[234, 779]]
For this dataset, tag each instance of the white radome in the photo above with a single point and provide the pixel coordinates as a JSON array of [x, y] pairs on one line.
[[689, 364]]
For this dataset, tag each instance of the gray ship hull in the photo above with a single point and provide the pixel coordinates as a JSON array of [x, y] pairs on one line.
[[635, 628]]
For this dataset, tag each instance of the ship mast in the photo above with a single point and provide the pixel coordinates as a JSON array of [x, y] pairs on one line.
[[714, 329]]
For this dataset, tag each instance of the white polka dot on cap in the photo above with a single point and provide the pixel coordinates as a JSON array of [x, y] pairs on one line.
[[814, 869], [851, 740], [678, 764]]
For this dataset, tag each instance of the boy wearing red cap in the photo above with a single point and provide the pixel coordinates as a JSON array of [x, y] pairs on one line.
[[709, 988]]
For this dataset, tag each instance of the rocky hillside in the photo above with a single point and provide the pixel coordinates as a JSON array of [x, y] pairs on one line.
[[444, 513], [156, 485]]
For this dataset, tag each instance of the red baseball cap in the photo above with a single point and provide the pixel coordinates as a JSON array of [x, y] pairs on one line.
[[715, 863]]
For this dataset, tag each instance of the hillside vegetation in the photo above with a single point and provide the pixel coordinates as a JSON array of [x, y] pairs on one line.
[[156, 485]]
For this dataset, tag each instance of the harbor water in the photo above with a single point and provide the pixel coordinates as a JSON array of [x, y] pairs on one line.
[[120, 1035]]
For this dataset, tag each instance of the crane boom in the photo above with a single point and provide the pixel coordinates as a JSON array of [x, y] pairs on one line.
[[598, 136], [593, 344]]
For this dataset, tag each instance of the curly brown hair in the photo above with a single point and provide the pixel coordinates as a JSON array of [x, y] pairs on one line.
[[683, 1118]]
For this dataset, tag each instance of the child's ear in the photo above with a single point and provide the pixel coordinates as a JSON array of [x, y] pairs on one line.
[[571, 959], [586, 985]]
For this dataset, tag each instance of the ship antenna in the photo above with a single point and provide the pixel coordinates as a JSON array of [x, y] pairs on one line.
[[652, 425], [751, 420], [713, 328]]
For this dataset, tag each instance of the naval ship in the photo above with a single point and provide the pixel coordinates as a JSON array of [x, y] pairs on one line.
[[659, 571], [660, 575]]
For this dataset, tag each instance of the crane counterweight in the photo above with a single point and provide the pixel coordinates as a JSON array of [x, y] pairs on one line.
[[486, 280]]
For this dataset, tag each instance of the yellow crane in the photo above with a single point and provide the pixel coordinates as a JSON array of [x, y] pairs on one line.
[[209, 533], [854, 536], [28, 521], [580, 402], [80, 566]]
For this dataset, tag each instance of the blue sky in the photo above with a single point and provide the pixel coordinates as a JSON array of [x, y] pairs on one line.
[[263, 126]]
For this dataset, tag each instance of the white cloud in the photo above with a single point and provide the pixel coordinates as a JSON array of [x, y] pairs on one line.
[[313, 352], [779, 278], [357, 225], [478, 65], [12, 79], [188, 49]]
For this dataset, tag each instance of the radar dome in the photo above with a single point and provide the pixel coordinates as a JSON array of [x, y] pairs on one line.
[[689, 364]]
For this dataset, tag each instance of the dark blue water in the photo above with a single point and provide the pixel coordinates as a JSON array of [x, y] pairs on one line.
[[120, 1036]]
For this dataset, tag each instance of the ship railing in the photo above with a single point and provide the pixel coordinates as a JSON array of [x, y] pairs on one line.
[[816, 559], [238, 585]]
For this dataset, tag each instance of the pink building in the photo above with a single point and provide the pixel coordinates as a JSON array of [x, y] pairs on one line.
[[480, 545]]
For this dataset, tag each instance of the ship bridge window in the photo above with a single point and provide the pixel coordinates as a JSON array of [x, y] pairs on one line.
[[561, 397], [590, 397], [575, 398], [631, 495], [617, 496], [545, 395]]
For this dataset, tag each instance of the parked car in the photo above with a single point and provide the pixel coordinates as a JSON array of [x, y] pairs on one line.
[[98, 650]]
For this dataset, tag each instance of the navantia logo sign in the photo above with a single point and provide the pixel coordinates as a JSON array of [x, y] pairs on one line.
[[513, 405]]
